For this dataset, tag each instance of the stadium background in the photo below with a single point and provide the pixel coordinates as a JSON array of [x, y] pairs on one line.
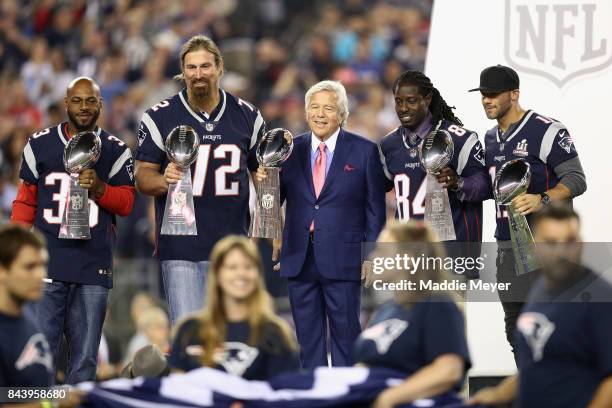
[[274, 50]]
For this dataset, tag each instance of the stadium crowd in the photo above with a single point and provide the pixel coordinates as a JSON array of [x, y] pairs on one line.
[[274, 50]]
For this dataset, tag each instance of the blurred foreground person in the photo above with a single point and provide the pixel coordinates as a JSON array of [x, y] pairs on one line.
[[237, 331], [564, 331]]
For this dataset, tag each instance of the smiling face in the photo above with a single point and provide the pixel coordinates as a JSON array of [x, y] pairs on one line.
[[83, 104], [201, 73], [411, 107], [238, 275], [323, 114]]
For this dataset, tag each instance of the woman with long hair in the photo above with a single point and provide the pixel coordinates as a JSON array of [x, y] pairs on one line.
[[238, 330], [419, 332]]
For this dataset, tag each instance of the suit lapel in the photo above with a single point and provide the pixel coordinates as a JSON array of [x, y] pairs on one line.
[[305, 161], [343, 147]]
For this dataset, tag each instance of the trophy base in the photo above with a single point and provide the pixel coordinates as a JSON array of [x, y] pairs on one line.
[[266, 220], [75, 220], [179, 214], [438, 213], [523, 244]]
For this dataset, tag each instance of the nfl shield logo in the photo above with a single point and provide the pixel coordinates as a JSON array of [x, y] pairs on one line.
[[559, 40], [413, 153], [210, 126], [267, 201]]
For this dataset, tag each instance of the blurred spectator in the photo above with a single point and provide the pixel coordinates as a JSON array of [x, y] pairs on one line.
[[153, 328]]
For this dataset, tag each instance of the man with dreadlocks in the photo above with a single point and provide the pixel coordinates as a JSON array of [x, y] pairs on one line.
[[421, 109]]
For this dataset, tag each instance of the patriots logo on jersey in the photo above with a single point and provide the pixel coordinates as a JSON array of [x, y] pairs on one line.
[[130, 169], [565, 141], [537, 329], [521, 149], [236, 357], [36, 351], [479, 156], [385, 333], [142, 135]]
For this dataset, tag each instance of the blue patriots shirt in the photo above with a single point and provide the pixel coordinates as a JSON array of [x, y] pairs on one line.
[[563, 343], [73, 260], [404, 172], [220, 177], [25, 355], [408, 339], [542, 142]]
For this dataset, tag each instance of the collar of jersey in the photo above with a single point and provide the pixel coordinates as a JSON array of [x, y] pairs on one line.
[[203, 117], [64, 137], [516, 125]]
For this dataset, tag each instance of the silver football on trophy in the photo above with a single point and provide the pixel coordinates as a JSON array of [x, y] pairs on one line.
[[436, 151], [82, 152], [182, 145], [511, 180], [274, 147]]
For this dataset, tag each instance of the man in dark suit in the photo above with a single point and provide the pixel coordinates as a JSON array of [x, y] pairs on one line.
[[334, 187]]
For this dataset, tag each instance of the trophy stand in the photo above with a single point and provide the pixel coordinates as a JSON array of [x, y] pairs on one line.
[[179, 214], [75, 220], [438, 213], [522, 242], [266, 222]]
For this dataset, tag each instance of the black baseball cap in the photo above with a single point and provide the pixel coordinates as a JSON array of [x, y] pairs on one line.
[[498, 78]]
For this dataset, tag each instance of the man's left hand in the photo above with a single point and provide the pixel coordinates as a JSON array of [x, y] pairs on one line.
[[527, 203], [367, 273], [448, 178], [88, 179]]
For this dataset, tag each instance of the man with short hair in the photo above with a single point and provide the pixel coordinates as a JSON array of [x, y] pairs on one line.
[[25, 356], [80, 271], [564, 331], [556, 172], [229, 129], [333, 184]]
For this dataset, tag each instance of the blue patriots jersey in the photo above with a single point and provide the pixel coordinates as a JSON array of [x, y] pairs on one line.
[[73, 260], [404, 172], [355, 387], [542, 142], [563, 343], [408, 339], [220, 177]]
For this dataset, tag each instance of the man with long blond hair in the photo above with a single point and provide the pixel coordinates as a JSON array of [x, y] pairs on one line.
[[229, 128], [237, 331]]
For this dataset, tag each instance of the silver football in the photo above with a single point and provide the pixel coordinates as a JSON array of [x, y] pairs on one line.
[[511, 180], [82, 152], [182, 145], [437, 149], [274, 147]]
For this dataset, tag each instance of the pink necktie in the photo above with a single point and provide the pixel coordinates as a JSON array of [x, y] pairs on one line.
[[318, 174]]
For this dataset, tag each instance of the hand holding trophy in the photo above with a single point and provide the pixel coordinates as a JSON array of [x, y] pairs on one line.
[[436, 151], [274, 148], [512, 180], [182, 146], [81, 152]]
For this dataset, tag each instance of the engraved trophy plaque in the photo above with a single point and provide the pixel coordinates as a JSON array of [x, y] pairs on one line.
[[435, 153], [81, 152], [182, 146], [512, 180], [274, 148]]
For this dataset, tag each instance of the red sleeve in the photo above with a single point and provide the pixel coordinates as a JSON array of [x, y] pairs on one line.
[[118, 199], [24, 206]]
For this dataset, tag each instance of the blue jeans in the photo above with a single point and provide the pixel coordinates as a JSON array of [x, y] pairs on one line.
[[76, 311], [185, 286]]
